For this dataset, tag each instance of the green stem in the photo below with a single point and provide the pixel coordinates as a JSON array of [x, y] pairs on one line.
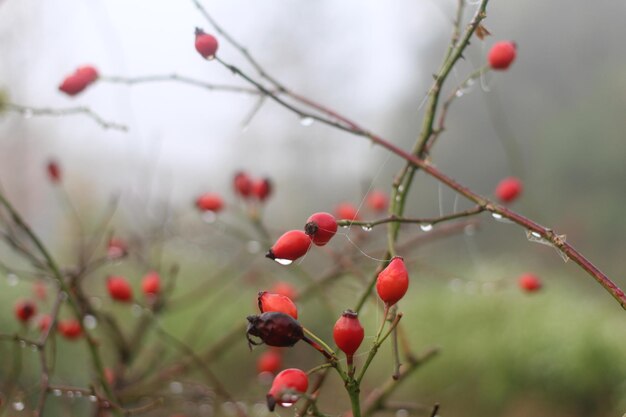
[[353, 392]]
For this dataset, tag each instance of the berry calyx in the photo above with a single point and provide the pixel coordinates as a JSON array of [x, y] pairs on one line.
[[377, 201], [210, 202], [25, 310], [508, 189], [348, 333], [119, 289], [54, 172], [529, 282], [269, 361], [501, 55], [70, 329], [262, 189], [275, 302], [392, 282], [347, 211], [321, 227], [290, 246], [206, 44], [242, 184], [286, 387], [274, 329], [151, 284]]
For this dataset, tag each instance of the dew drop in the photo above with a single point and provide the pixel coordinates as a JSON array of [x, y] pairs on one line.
[[470, 230], [69, 394], [366, 228], [284, 261], [34, 347], [22, 344], [18, 405], [456, 284], [12, 279], [90, 322], [400, 188], [345, 226], [306, 121], [56, 392], [93, 398], [398, 198], [496, 216], [426, 227], [209, 216], [459, 93], [402, 413], [176, 387], [28, 113], [287, 404], [78, 394]]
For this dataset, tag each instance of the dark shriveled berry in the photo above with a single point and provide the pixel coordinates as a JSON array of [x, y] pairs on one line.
[[274, 329]]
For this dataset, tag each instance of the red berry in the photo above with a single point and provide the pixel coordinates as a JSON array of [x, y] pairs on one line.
[[243, 184], [79, 80], [347, 211], [274, 329], [210, 202], [321, 227], [529, 282], [54, 172], [70, 329], [290, 246], [269, 361], [262, 189], [119, 289], [88, 73], [287, 384], [377, 201], [25, 310], [116, 248], [286, 289], [44, 322], [393, 281], [151, 284], [206, 44], [109, 375], [276, 302], [40, 290], [348, 333], [501, 55], [508, 189]]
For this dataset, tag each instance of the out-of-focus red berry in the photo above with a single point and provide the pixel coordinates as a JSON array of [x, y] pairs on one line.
[[243, 184], [286, 289], [529, 282], [116, 248], [501, 55], [262, 189], [347, 211], [54, 172], [25, 310], [509, 189], [206, 44], [210, 202], [44, 322], [377, 201], [269, 361], [40, 290], [79, 80], [151, 283], [119, 289], [70, 329]]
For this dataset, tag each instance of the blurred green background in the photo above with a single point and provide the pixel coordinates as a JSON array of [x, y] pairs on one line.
[[555, 119]]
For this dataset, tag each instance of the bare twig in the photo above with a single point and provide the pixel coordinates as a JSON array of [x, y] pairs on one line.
[[28, 111]]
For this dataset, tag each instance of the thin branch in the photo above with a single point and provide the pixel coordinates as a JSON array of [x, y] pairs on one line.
[[179, 78], [423, 221], [28, 111]]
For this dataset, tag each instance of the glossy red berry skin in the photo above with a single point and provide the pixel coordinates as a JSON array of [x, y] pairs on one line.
[[290, 246], [269, 361], [243, 184], [70, 329], [275, 302], [262, 189], [292, 379], [119, 289], [25, 310], [54, 172], [377, 201], [393, 281], [501, 55], [347, 211], [151, 284], [529, 282], [210, 202], [286, 289], [509, 189], [206, 44], [321, 227], [348, 332], [87, 73]]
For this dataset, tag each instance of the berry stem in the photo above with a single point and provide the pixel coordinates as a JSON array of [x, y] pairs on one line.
[[319, 344]]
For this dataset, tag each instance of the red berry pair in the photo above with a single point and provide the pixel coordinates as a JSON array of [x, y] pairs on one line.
[[248, 187], [120, 290], [79, 80]]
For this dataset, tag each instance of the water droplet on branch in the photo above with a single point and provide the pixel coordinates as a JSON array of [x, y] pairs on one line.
[[426, 227]]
